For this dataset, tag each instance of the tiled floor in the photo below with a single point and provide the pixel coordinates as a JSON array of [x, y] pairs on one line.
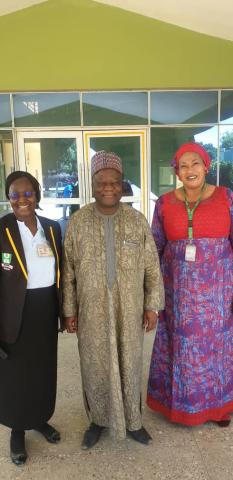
[[199, 453]]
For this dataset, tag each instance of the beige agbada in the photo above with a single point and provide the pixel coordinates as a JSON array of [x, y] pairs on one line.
[[109, 295]]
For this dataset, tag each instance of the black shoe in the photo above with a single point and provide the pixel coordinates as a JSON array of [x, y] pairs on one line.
[[17, 447], [91, 436], [50, 433], [141, 436], [224, 423]]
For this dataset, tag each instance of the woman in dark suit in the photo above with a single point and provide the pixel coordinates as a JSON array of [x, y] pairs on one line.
[[30, 249]]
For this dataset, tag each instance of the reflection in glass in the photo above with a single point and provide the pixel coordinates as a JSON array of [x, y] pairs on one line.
[[53, 161], [165, 142], [46, 109], [128, 149], [5, 111], [226, 115], [6, 166], [184, 107], [125, 108], [226, 157]]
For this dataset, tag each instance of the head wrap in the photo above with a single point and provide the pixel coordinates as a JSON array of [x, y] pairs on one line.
[[191, 147], [102, 160]]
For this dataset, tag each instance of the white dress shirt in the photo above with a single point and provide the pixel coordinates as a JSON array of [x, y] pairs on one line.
[[39, 257]]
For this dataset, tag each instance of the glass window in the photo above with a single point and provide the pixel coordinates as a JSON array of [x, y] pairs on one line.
[[165, 142], [128, 149], [115, 108], [226, 157], [6, 166], [53, 161], [5, 111], [46, 109], [226, 115], [184, 107]]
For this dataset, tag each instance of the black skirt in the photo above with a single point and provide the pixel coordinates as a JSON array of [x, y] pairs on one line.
[[28, 377]]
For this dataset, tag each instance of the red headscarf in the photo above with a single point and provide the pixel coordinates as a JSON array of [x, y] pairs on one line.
[[191, 147]]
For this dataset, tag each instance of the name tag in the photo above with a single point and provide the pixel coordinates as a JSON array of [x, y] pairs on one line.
[[44, 250], [190, 253]]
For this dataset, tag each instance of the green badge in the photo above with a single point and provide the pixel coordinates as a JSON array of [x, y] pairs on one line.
[[6, 258]]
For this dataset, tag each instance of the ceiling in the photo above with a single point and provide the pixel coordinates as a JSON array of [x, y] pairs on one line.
[[212, 17], [9, 6]]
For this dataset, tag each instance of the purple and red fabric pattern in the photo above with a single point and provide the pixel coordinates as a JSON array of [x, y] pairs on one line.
[[191, 372]]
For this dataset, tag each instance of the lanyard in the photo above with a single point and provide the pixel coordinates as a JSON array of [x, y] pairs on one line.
[[190, 211], [16, 253]]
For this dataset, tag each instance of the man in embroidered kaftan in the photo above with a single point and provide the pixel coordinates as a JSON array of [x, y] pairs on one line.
[[112, 290]]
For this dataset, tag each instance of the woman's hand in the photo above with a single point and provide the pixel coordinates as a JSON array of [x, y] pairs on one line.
[[71, 324], [150, 320]]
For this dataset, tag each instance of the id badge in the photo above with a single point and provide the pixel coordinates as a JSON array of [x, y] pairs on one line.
[[44, 250], [190, 252]]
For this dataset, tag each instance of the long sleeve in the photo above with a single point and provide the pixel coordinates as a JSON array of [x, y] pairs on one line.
[[157, 228], [69, 296], [230, 196], [153, 282]]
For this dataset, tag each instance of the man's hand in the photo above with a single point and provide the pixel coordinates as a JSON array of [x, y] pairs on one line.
[[149, 320], [71, 324]]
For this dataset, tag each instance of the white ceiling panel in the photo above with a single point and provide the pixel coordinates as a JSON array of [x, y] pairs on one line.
[[9, 6], [212, 17]]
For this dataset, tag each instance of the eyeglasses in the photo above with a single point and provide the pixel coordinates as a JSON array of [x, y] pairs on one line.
[[17, 195]]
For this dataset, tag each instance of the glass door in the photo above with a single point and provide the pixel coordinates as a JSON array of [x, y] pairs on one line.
[[61, 163], [131, 146], [56, 160], [6, 167]]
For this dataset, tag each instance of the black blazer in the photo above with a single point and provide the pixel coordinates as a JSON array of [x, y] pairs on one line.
[[13, 283]]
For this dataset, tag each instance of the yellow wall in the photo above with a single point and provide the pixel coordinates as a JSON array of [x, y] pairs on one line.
[[80, 45]]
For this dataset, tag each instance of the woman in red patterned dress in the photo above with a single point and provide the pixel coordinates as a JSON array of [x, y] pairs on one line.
[[191, 372]]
